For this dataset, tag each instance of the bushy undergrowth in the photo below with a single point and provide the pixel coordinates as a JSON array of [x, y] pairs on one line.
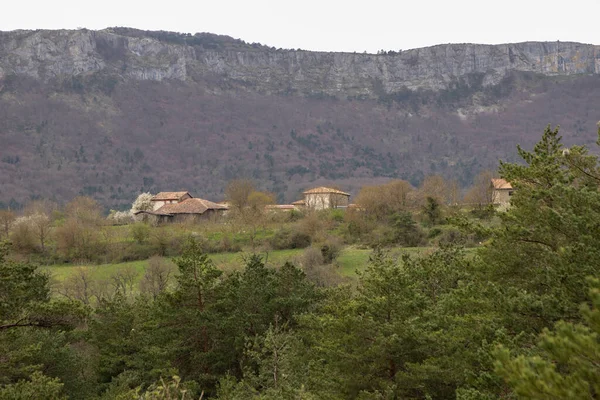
[[85, 237], [290, 238]]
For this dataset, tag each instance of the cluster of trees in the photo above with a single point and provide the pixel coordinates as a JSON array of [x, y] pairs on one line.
[[388, 52], [397, 213], [392, 214], [201, 330], [400, 195], [203, 40], [74, 230], [518, 319], [88, 285]]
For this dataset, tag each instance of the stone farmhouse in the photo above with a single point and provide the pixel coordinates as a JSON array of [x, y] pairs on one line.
[[164, 198], [501, 192], [180, 207], [183, 207], [321, 198]]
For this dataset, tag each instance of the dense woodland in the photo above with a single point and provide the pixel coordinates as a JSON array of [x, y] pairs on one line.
[[517, 317]]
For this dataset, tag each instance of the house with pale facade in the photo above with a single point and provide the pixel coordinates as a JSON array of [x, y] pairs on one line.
[[180, 207], [501, 191], [321, 198], [164, 198]]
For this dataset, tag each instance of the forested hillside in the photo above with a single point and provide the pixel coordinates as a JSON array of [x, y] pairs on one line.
[[115, 112], [515, 316]]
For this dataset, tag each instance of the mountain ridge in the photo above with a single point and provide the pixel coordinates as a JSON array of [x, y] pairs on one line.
[[112, 113], [339, 74]]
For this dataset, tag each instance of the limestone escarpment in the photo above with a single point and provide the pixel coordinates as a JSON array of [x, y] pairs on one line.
[[50, 54], [111, 113]]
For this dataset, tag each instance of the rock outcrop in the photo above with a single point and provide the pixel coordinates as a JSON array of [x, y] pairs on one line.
[[113, 113], [50, 54]]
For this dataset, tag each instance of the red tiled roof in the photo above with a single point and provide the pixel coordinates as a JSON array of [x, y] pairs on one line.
[[190, 206], [500, 183], [299, 203], [149, 212], [169, 196], [325, 190]]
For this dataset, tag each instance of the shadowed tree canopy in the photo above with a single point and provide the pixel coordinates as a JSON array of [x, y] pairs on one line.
[[25, 298]]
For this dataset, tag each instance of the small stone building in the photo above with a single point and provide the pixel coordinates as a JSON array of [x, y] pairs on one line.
[[188, 210], [164, 198], [501, 192], [299, 204], [321, 198]]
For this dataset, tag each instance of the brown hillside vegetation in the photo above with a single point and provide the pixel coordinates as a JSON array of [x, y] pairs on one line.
[[111, 137]]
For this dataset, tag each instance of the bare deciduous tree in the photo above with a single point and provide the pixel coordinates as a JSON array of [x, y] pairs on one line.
[[79, 236], [41, 225], [157, 276], [84, 210], [77, 240], [316, 270], [37, 221], [481, 193], [79, 286], [252, 214], [101, 289], [160, 238], [238, 191], [7, 218], [383, 200], [123, 280], [313, 225], [453, 195], [434, 187], [22, 235]]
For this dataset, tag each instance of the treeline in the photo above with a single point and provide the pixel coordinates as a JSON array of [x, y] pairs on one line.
[[517, 319], [392, 214], [208, 41]]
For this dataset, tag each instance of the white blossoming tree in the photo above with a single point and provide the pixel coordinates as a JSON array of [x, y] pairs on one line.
[[142, 203]]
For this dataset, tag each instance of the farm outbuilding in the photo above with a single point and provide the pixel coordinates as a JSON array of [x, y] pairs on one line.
[[188, 210], [501, 192], [164, 198], [321, 198]]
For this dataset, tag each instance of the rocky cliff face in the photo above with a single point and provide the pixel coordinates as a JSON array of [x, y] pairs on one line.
[[50, 54], [111, 113]]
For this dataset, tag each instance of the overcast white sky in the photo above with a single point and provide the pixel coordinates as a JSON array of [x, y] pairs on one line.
[[329, 25]]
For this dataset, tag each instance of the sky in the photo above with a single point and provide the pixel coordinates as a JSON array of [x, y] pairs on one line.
[[326, 25]]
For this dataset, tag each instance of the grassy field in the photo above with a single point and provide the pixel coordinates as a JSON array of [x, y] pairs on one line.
[[104, 271], [352, 260], [224, 261], [349, 261]]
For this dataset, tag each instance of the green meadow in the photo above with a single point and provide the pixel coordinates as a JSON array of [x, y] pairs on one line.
[[349, 261]]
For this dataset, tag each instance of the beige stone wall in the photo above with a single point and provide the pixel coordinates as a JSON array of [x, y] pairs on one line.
[[157, 204], [321, 201], [501, 196], [317, 201]]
